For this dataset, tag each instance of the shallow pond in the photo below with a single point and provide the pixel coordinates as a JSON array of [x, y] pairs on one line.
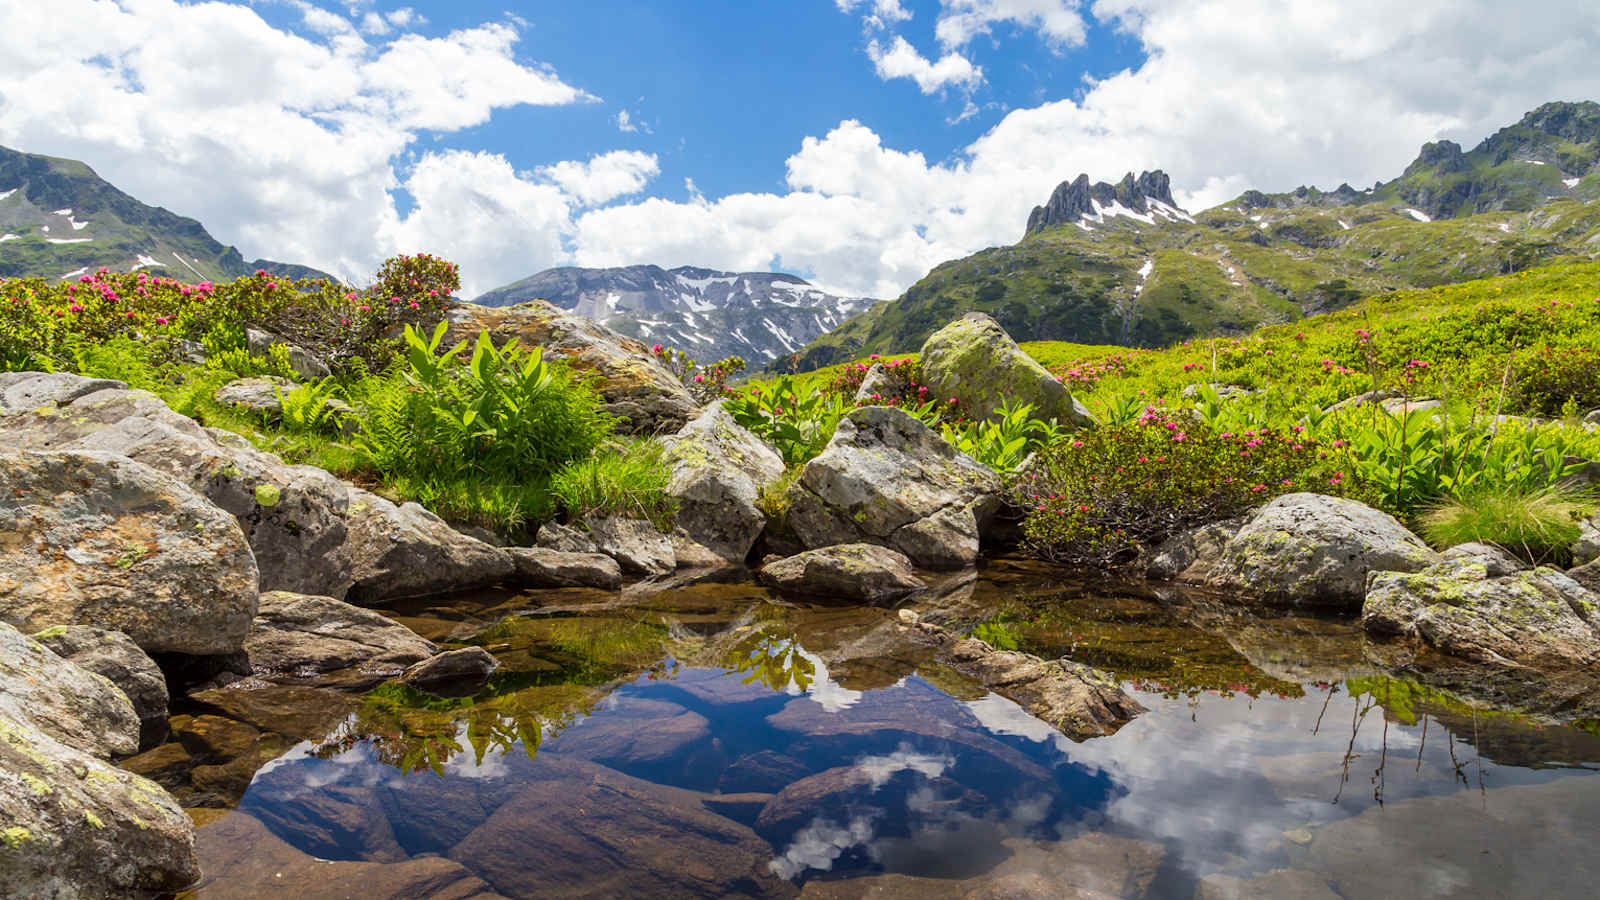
[[710, 740]]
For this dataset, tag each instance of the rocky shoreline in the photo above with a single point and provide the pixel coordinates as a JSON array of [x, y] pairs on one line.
[[151, 558]]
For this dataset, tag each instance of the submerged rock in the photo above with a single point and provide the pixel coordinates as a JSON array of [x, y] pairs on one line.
[[718, 471], [115, 656], [1540, 618], [862, 572], [99, 539], [1311, 549], [975, 360], [457, 673], [636, 544], [302, 636], [885, 478], [636, 386], [541, 567]]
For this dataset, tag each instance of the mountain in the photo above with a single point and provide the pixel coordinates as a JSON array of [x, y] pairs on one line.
[[59, 219], [1122, 264], [710, 315]]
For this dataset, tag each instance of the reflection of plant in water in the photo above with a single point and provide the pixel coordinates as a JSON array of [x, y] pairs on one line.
[[1146, 647], [773, 660]]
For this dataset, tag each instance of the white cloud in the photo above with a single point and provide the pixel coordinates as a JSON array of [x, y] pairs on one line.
[[902, 60], [604, 178], [626, 123], [1233, 94], [1057, 20], [883, 11]]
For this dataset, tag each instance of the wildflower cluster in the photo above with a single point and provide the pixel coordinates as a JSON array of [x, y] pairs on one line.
[[1098, 497], [705, 382], [1086, 373]]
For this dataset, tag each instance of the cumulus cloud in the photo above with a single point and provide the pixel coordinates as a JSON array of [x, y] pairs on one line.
[[1057, 20], [901, 60], [882, 11], [605, 177], [283, 143]]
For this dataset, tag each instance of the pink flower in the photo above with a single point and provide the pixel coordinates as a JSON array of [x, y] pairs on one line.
[[77, 308], [160, 320], [656, 349]]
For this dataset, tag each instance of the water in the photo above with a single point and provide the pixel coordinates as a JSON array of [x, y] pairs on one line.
[[713, 741]]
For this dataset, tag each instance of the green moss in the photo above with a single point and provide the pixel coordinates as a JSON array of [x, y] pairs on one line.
[[268, 495], [15, 836], [93, 820], [39, 786], [51, 632]]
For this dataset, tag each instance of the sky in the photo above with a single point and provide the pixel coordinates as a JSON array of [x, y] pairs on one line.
[[857, 143]]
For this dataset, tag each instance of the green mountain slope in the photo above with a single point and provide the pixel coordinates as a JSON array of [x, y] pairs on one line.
[[1103, 264], [59, 219]]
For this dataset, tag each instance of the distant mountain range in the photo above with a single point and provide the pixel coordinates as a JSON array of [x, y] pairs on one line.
[[708, 314], [58, 219], [1121, 264]]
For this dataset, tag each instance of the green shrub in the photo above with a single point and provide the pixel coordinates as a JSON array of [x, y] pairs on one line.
[[1003, 443], [1100, 496], [628, 480], [1551, 380], [1539, 525], [796, 418], [311, 407], [505, 415]]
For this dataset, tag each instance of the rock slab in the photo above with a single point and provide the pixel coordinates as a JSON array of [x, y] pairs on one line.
[[864, 573], [718, 471]]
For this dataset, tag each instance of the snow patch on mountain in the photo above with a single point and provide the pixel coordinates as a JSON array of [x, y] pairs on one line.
[[1418, 214], [1569, 182]]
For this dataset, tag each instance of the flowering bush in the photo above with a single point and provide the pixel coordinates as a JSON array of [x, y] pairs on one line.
[[1099, 496], [705, 383], [1551, 380]]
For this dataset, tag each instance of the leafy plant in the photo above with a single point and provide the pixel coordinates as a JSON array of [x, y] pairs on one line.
[[628, 480], [797, 418], [704, 383], [311, 407], [1539, 524], [1002, 443]]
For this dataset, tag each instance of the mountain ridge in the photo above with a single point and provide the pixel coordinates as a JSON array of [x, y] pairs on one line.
[[708, 313]]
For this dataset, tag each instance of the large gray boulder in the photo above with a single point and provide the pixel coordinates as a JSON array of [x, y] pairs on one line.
[[1311, 550], [406, 551], [97, 539], [72, 826], [257, 395], [115, 656], [73, 705], [292, 516], [1540, 618], [545, 568], [885, 478], [973, 359], [865, 573], [718, 471], [301, 636], [637, 545], [301, 361]]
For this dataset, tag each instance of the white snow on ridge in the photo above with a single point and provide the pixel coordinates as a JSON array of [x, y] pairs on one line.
[[186, 263], [1418, 214], [1345, 225], [76, 225], [145, 261], [75, 273], [9, 237], [1569, 182], [68, 240], [1536, 162], [62, 212], [5, 194], [1506, 227], [1144, 275], [1171, 212]]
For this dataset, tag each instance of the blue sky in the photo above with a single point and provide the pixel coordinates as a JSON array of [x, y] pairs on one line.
[[858, 143]]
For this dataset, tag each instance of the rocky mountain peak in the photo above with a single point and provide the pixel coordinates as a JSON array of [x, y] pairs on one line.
[[1078, 202]]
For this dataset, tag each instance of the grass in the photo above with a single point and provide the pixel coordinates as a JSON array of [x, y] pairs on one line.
[[1539, 526], [620, 479]]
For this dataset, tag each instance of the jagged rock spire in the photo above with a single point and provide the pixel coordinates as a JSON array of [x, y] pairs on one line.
[[1077, 200]]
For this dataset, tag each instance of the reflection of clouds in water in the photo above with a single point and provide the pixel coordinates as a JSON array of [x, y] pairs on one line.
[[465, 764], [355, 767], [824, 690], [1001, 716], [879, 769], [817, 845]]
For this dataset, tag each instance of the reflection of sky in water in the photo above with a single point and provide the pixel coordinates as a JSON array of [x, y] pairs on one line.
[[1223, 782]]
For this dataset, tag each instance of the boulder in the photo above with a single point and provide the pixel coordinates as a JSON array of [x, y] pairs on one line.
[[80, 708], [1494, 560], [115, 656], [1586, 548], [301, 636], [637, 545], [636, 386], [864, 573], [555, 536], [70, 824], [1363, 399], [1179, 552], [301, 361], [457, 673], [1311, 549], [974, 360], [876, 385], [405, 551], [885, 478], [257, 395], [539, 567], [1587, 575], [1540, 618], [292, 516], [98, 539], [718, 470]]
